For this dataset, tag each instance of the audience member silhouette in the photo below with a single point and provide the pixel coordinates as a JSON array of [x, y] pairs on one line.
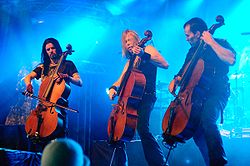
[[64, 152]]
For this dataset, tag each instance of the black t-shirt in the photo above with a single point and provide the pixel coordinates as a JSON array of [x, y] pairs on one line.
[[68, 67], [215, 71]]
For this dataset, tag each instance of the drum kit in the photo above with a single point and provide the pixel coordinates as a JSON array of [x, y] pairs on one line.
[[163, 96], [163, 100], [237, 111]]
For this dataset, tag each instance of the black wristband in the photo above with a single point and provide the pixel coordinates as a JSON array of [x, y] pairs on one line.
[[113, 87], [175, 76], [146, 56]]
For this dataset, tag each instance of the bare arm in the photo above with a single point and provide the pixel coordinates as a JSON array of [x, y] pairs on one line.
[[118, 82], [75, 79], [156, 58], [113, 91], [224, 54], [29, 77]]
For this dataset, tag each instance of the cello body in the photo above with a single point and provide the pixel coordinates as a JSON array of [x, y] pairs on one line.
[[176, 120], [123, 118], [46, 119]]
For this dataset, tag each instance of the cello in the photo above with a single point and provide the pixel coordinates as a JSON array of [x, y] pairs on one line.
[[46, 120], [177, 123], [122, 121]]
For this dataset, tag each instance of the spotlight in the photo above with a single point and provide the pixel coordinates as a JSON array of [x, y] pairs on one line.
[[107, 91]]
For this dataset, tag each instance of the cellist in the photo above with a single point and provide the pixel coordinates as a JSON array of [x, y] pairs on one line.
[[211, 93], [147, 60], [50, 55]]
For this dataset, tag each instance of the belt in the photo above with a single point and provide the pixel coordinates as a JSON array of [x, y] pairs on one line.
[[150, 93]]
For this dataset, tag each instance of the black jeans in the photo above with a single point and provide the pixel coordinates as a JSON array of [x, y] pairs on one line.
[[207, 136], [152, 150]]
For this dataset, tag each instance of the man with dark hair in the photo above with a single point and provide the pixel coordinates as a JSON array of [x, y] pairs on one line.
[[212, 90], [67, 73]]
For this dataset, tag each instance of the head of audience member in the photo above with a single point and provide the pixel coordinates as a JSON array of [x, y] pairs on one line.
[[64, 152]]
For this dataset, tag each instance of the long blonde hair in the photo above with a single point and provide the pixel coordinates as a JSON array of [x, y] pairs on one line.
[[124, 34]]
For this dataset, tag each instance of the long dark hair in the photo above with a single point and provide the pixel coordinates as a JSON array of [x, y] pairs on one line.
[[45, 57]]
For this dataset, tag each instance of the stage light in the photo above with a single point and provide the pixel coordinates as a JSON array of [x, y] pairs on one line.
[[192, 5], [117, 8], [40, 21], [84, 35], [114, 9], [107, 91], [187, 161]]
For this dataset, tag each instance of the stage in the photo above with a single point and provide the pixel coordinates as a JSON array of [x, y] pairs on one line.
[[15, 149]]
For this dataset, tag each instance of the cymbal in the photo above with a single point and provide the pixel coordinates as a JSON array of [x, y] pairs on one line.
[[237, 76]]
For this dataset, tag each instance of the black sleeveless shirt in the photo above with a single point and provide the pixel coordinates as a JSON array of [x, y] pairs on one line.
[[150, 71]]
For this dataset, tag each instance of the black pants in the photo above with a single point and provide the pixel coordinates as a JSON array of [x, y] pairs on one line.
[[207, 136]]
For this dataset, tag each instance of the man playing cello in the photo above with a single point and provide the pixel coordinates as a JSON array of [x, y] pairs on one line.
[[147, 61], [211, 93], [67, 73]]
